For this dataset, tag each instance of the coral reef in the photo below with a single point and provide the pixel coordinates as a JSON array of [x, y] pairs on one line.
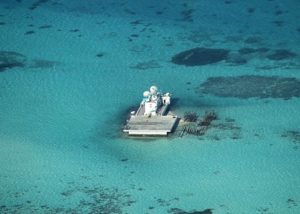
[[11, 59], [195, 126], [208, 118], [190, 117], [180, 211], [249, 86], [96, 199]]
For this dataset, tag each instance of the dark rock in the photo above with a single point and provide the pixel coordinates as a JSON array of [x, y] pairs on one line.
[[200, 56]]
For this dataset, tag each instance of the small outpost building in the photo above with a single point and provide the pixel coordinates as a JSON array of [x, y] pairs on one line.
[[152, 117]]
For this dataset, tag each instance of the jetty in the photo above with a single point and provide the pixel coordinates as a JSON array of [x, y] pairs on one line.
[[153, 116]]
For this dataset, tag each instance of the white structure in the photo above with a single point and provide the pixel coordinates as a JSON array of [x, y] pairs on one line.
[[154, 101], [152, 118]]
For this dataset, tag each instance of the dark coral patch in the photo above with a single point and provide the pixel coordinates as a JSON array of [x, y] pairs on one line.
[[236, 59], [247, 50], [262, 50], [100, 55], [278, 12], [200, 56], [250, 86], [134, 35], [29, 32], [42, 63], [96, 199], [187, 15], [251, 10], [281, 54], [74, 30], [146, 65], [36, 4], [252, 40], [45, 26], [278, 23], [292, 135], [180, 211], [10, 59]]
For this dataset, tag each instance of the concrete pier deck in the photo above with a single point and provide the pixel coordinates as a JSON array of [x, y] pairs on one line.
[[155, 125]]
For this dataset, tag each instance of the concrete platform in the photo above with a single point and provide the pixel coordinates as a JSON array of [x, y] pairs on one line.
[[155, 125]]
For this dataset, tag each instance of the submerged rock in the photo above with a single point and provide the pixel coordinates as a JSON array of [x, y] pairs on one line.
[[200, 56], [249, 86]]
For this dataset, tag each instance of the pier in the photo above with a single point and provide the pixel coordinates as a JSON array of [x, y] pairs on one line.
[[155, 126]]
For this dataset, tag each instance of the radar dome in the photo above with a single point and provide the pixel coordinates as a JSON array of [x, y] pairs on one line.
[[146, 93], [153, 89]]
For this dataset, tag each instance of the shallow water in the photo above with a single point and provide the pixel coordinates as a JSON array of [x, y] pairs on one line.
[[71, 71]]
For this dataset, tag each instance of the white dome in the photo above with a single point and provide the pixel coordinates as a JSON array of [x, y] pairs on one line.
[[153, 89], [146, 93]]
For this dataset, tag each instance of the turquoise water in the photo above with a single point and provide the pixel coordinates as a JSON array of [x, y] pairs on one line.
[[70, 72]]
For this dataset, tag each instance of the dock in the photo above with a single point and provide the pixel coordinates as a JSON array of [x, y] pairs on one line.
[[155, 125]]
